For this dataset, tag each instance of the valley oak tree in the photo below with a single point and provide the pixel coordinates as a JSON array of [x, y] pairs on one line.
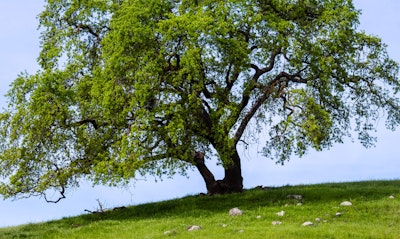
[[158, 87]]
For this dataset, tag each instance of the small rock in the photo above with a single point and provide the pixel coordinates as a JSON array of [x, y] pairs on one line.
[[294, 196], [307, 224], [224, 225], [299, 204], [346, 203], [193, 228], [317, 219], [276, 223], [281, 213], [258, 217], [241, 231], [235, 212], [391, 197], [170, 233], [338, 214]]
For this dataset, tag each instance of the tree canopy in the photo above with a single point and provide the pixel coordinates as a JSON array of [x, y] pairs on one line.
[[157, 87]]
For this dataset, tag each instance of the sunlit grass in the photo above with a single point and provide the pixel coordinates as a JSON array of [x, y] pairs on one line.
[[372, 215]]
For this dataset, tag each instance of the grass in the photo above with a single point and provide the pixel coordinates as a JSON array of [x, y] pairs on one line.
[[372, 215]]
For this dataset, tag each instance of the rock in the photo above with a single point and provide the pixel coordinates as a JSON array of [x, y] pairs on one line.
[[294, 196], [281, 213], [224, 225], [258, 217], [346, 203], [235, 212], [193, 228], [338, 214], [317, 219], [307, 224], [241, 231], [275, 223], [391, 197], [170, 233], [299, 204]]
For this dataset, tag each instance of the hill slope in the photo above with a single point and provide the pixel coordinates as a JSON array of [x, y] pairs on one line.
[[373, 214]]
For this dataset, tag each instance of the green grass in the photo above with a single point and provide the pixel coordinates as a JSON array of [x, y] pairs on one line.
[[373, 215]]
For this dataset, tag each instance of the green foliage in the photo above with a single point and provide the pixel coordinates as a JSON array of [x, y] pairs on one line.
[[136, 87], [373, 215]]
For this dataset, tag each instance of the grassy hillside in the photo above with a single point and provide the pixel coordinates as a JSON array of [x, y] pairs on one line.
[[373, 215]]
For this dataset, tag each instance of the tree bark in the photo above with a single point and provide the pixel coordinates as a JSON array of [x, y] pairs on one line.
[[231, 183]]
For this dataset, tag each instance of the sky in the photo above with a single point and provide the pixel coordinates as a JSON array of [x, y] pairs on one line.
[[19, 49]]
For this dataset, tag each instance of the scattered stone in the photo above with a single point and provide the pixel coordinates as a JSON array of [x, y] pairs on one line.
[[281, 213], [275, 223], [299, 204], [258, 217], [338, 214], [294, 196], [193, 228], [391, 197], [235, 212], [307, 224], [170, 233], [317, 219], [346, 203]]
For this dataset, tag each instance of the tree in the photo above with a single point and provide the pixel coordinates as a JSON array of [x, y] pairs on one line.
[[156, 87]]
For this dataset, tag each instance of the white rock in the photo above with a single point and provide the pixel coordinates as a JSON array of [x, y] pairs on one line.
[[391, 197], [258, 217], [299, 204], [193, 228], [338, 214], [276, 223], [346, 203], [306, 224], [241, 231], [281, 213], [235, 212], [317, 219], [224, 225]]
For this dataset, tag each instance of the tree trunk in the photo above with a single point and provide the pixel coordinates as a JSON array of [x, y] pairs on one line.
[[232, 182]]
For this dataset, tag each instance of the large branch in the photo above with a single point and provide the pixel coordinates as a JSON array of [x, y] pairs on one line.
[[253, 83], [267, 90]]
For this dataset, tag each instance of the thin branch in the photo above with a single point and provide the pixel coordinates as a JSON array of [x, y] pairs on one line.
[[85, 121], [87, 28]]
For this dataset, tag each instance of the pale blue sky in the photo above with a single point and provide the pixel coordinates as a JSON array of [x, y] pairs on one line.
[[19, 48]]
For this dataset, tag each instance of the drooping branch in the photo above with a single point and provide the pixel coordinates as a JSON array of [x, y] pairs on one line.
[[62, 196], [61, 185]]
